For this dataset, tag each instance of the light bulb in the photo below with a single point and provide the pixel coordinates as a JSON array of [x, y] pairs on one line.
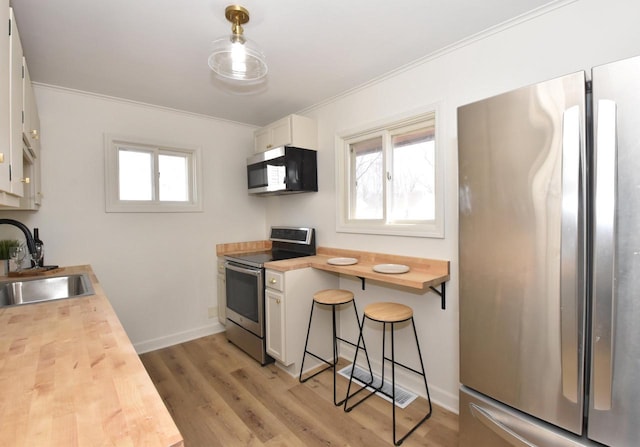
[[238, 58]]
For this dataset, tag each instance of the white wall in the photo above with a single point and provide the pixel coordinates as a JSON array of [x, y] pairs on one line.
[[575, 37], [158, 270]]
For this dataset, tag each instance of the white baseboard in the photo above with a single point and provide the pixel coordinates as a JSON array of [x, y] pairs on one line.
[[177, 338]]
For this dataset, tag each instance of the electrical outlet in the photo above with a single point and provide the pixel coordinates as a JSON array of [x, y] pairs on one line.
[[213, 312]]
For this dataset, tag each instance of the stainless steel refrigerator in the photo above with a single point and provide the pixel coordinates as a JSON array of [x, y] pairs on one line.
[[549, 209]]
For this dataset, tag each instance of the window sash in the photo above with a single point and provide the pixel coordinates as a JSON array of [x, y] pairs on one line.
[[135, 183], [412, 172], [367, 190], [186, 187]]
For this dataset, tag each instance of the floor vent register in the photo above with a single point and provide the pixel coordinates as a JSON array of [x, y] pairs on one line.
[[362, 376]]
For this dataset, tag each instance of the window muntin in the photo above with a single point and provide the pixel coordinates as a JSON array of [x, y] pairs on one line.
[[143, 176], [389, 179]]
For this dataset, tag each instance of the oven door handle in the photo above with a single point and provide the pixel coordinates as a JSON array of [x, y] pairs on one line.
[[237, 268]]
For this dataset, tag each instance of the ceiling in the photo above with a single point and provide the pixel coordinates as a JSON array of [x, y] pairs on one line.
[[155, 51]]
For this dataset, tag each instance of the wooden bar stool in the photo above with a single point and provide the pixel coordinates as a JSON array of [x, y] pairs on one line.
[[333, 298], [389, 313]]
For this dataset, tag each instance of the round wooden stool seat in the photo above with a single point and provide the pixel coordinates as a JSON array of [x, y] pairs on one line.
[[388, 312], [333, 296]]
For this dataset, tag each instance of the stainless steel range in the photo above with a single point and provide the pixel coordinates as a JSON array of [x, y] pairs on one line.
[[245, 287]]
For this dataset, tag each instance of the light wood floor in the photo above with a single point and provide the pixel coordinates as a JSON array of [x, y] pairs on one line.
[[219, 396]]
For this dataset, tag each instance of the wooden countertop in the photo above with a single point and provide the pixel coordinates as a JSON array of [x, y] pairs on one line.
[[242, 247], [424, 272], [69, 376]]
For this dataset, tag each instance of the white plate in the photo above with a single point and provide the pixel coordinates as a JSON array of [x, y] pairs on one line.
[[342, 261], [391, 268]]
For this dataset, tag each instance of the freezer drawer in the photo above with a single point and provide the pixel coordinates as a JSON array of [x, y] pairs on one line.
[[487, 423]]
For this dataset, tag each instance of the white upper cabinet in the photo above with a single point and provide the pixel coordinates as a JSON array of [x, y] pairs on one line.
[[16, 101], [5, 152], [19, 123], [32, 193], [292, 130]]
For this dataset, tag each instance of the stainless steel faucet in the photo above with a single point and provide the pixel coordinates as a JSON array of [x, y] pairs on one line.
[[31, 244]]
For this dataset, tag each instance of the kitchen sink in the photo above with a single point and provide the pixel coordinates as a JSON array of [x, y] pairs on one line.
[[25, 291]]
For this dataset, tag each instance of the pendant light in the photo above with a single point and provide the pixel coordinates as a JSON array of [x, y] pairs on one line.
[[235, 56]]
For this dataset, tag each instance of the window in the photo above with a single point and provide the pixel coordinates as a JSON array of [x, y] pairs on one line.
[[142, 176], [389, 179]]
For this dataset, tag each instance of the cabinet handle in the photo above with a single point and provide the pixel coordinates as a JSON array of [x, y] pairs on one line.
[[269, 146], [272, 281], [34, 134], [1, 157], [277, 300], [26, 180]]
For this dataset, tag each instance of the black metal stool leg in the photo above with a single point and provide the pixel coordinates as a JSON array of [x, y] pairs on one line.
[[306, 343], [348, 408], [364, 347], [393, 382], [353, 367], [335, 355], [306, 351], [384, 344], [424, 376], [334, 361]]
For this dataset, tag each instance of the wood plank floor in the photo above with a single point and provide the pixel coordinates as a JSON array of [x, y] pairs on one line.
[[219, 396]]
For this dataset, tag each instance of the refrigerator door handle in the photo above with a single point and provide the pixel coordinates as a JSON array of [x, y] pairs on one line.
[[570, 243], [498, 428], [604, 254]]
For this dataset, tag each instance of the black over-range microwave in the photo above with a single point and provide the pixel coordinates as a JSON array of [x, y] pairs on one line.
[[283, 170]]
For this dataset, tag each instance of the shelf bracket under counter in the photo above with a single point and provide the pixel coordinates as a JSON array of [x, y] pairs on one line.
[[441, 292]]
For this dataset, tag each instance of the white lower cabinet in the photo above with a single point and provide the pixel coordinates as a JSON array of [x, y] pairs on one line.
[[288, 297]]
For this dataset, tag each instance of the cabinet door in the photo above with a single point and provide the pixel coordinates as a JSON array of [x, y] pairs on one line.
[[222, 294], [222, 300], [275, 320], [30, 199], [262, 139], [31, 124], [15, 98], [31, 192], [5, 154], [281, 132]]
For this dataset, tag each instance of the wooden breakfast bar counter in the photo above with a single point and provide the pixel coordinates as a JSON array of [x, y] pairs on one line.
[[69, 376], [424, 273]]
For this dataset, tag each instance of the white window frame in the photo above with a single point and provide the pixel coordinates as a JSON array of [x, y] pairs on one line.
[[112, 145], [344, 224]]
